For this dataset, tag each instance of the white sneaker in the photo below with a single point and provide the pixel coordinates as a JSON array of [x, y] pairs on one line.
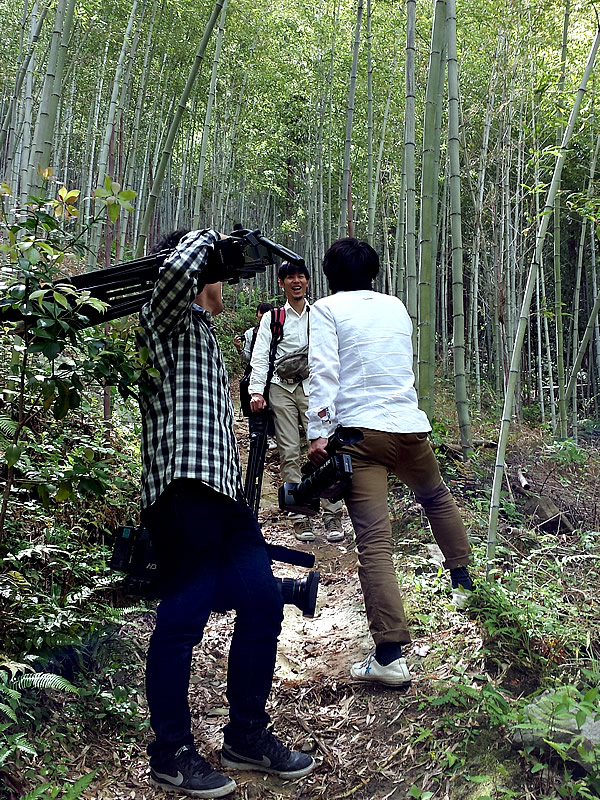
[[271, 444], [394, 674]]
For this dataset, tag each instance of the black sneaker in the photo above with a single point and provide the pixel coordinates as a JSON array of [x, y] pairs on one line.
[[188, 773], [265, 753]]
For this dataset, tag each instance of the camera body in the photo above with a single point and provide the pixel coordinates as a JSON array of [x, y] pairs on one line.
[[331, 480], [134, 555]]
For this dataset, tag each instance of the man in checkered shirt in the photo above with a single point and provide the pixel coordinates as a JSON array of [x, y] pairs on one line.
[[210, 548]]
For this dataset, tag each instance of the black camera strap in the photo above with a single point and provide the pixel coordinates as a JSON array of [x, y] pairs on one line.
[[277, 322]]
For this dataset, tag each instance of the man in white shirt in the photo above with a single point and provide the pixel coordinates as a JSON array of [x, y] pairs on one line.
[[289, 398], [361, 375]]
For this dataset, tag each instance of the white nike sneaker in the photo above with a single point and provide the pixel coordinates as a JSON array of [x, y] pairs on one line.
[[394, 674]]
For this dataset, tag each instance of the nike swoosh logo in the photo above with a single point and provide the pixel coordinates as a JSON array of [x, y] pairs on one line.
[[264, 761], [176, 781]]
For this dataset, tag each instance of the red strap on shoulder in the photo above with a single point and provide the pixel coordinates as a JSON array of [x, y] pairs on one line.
[[277, 320]]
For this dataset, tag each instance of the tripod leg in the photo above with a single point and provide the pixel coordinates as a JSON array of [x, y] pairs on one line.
[[256, 460]]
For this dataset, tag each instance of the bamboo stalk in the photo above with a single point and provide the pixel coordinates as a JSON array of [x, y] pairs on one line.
[[174, 129], [516, 354]]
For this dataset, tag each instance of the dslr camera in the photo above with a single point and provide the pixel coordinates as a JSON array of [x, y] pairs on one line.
[[331, 480]]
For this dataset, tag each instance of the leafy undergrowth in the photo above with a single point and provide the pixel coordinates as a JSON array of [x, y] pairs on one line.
[[534, 625]]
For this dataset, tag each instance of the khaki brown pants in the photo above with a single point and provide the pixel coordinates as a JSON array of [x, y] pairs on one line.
[[290, 412], [410, 457]]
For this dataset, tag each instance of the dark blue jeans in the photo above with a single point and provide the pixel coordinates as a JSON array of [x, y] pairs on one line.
[[211, 556]]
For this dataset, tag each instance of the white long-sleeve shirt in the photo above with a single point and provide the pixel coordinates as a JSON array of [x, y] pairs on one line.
[[295, 336], [360, 362]]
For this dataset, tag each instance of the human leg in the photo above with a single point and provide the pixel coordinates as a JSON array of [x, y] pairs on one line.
[[205, 542], [286, 407], [188, 560], [368, 509], [246, 584], [287, 419], [331, 511], [417, 467]]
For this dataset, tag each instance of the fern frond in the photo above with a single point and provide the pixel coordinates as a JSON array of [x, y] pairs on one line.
[[45, 680], [14, 667], [118, 614], [40, 550], [40, 791], [577, 558], [10, 713], [75, 791], [8, 691], [19, 743], [99, 585], [8, 427]]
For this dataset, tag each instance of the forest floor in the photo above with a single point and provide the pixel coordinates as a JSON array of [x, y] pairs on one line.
[[445, 737]]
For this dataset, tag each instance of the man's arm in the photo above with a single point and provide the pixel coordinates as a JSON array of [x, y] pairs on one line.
[[324, 372], [180, 280], [260, 362]]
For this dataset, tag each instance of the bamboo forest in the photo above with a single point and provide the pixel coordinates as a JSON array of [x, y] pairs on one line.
[[461, 142]]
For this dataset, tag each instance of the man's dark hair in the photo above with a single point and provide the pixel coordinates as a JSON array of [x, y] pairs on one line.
[[350, 264], [170, 241], [262, 308], [287, 268]]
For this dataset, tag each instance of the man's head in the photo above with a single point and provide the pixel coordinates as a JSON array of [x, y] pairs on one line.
[[293, 280], [170, 241], [350, 264], [262, 309]]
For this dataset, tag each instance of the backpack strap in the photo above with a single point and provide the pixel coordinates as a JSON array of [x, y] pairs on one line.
[[277, 320]]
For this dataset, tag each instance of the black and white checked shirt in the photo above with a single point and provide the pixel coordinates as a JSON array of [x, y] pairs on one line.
[[186, 408]]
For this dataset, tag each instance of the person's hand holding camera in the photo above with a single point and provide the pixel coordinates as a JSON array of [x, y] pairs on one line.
[[317, 451], [257, 403], [225, 260]]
